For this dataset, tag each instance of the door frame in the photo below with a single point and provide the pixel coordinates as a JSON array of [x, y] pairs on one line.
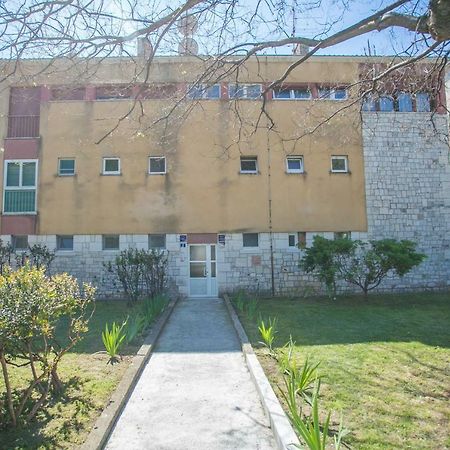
[[209, 278]]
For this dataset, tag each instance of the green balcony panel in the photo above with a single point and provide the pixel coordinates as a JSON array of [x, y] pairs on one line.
[[22, 201]]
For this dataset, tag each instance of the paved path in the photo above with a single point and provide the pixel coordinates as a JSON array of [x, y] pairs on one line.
[[195, 392]]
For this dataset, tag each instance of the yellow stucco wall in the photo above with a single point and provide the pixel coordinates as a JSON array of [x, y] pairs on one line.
[[203, 190]]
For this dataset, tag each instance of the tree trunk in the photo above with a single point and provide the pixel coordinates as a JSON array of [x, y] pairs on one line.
[[8, 390]]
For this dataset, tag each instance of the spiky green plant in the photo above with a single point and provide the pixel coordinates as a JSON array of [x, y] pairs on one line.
[[251, 308], [239, 301], [112, 340], [152, 307], [134, 326], [267, 332]]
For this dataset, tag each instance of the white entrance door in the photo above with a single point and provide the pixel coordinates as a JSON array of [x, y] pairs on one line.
[[202, 270]]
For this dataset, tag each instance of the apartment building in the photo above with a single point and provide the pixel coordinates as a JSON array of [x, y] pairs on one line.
[[230, 178]]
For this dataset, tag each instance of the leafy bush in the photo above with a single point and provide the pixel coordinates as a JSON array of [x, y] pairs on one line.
[[364, 264], [32, 306], [112, 340], [38, 255], [140, 272]]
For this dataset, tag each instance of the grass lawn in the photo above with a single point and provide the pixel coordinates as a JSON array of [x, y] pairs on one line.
[[385, 361], [88, 381]]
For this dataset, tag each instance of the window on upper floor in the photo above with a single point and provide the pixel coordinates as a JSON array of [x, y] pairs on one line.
[[294, 164], [19, 243], [19, 194], [329, 93], [66, 167], [111, 166], [64, 242], [110, 241], [339, 164], [204, 91], [249, 164], [250, 91], [156, 241], [399, 101], [292, 93], [157, 165], [250, 239]]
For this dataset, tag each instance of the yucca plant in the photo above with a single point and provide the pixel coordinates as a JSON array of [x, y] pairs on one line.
[[112, 340], [305, 377], [134, 326], [268, 332]]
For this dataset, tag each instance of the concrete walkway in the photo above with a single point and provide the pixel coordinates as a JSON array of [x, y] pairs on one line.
[[195, 392]]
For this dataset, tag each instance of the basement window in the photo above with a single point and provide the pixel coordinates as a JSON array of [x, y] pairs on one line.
[[157, 165], [156, 241], [250, 239], [339, 164], [111, 166], [64, 243], [19, 243], [249, 164], [110, 241]]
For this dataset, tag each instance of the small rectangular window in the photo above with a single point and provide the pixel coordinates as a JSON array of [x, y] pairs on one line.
[[328, 93], [339, 164], [249, 164], [342, 235], [19, 242], [250, 239], [64, 243], [294, 164], [110, 241], [252, 91], [291, 240], [297, 93], [156, 241], [66, 166], [204, 91], [111, 166], [157, 165]]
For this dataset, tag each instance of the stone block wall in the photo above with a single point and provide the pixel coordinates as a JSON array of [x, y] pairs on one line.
[[407, 174]]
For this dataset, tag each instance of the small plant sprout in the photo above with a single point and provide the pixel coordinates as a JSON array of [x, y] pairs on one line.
[[112, 340], [268, 332]]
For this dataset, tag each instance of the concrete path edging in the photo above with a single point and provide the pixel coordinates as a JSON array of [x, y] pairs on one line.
[[285, 436], [105, 422]]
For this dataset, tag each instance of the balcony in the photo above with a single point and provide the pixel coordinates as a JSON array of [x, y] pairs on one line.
[[23, 127], [21, 201]]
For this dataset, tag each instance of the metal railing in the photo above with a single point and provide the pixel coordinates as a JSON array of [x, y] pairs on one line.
[[23, 126], [20, 201]]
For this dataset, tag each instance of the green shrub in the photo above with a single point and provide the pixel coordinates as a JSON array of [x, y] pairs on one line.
[[363, 264], [32, 305]]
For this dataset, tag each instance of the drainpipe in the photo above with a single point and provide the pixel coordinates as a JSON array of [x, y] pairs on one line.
[[269, 193]]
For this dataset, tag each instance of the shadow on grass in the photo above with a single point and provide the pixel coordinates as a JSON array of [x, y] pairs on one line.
[[66, 409], [353, 319]]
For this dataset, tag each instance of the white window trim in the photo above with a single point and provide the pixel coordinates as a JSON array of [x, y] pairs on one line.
[[292, 95], [157, 157], [249, 158], [345, 158], [244, 87], [295, 157], [20, 187], [67, 174], [109, 158], [332, 95]]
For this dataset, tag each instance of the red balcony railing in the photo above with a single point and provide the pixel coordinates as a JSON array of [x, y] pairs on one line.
[[23, 126]]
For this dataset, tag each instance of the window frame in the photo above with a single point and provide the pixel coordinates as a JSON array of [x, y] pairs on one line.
[[66, 174], [203, 90], [59, 238], [250, 246], [149, 165], [110, 249], [332, 95], [13, 242], [150, 247], [111, 158], [244, 88], [292, 96], [340, 157], [249, 172], [293, 158], [20, 187]]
